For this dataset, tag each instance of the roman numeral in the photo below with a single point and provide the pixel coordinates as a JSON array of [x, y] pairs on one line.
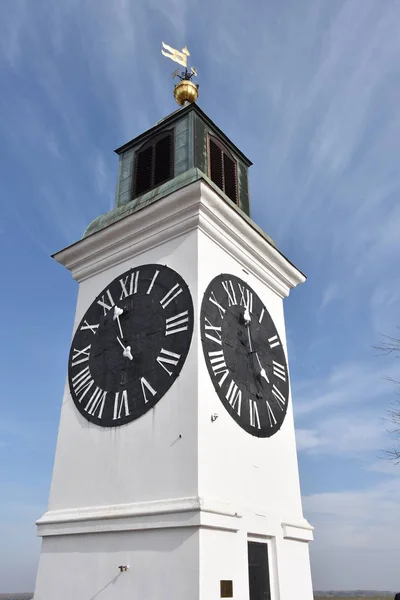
[[261, 315], [171, 295], [274, 341], [120, 405], [176, 323], [279, 397], [131, 288], [218, 365], [167, 358], [234, 397], [82, 382], [217, 330], [152, 282], [146, 386], [104, 304], [221, 309], [214, 300], [228, 287], [246, 298], [279, 370], [96, 403], [80, 356], [271, 416], [91, 327], [254, 416]]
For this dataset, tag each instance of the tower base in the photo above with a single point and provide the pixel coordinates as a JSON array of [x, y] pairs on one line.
[[178, 549]]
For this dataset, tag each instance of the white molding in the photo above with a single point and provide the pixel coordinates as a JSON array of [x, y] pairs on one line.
[[298, 530], [178, 512], [192, 511], [197, 206], [252, 250]]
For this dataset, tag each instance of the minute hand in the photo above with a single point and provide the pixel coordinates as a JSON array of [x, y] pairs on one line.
[[250, 342], [117, 313]]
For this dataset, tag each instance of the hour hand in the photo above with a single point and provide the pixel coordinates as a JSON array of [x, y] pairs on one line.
[[246, 316], [126, 350], [263, 373]]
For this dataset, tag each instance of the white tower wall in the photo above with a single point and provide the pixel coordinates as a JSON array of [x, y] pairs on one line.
[[174, 495]]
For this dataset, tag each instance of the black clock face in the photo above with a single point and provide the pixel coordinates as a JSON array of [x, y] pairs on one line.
[[244, 356], [131, 345]]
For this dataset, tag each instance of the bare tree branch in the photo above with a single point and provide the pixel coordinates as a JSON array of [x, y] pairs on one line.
[[391, 345]]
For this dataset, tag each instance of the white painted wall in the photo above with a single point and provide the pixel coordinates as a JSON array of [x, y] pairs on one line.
[[258, 473], [223, 556], [162, 564], [294, 569], [144, 460]]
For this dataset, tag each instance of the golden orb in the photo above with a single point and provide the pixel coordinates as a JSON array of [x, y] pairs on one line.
[[186, 91]]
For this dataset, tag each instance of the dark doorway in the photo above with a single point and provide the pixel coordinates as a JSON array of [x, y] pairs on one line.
[[258, 571]]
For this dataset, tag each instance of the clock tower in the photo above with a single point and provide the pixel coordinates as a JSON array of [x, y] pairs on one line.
[[175, 474]]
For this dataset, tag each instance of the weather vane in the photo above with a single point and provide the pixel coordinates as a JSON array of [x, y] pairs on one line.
[[185, 91]]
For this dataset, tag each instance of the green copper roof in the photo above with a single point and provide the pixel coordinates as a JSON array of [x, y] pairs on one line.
[[177, 115], [157, 194]]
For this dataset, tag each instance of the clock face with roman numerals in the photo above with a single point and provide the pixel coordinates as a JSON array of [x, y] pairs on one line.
[[131, 345], [244, 355]]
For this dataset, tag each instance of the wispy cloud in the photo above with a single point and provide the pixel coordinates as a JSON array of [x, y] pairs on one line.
[[330, 294], [344, 435], [355, 528], [114, 68], [308, 439], [346, 386], [333, 134], [384, 466], [15, 19]]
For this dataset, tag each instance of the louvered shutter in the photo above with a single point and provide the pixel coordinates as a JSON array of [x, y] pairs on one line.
[[163, 160], [230, 178], [143, 171], [154, 164], [216, 165], [223, 169]]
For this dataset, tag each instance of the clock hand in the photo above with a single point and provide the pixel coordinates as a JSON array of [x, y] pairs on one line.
[[262, 371], [127, 350], [246, 316], [249, 336], [251, 352], [117, 313]]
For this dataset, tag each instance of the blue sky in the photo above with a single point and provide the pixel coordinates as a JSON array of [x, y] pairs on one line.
[[310, 92]]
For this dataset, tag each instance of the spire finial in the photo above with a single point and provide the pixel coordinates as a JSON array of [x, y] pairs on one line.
[[185, 91]]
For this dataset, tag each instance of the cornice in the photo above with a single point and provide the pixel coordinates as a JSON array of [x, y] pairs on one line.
[[246, 244], [197, 206], [154, 225], [298, 530], [194, 511], [177, 512]]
